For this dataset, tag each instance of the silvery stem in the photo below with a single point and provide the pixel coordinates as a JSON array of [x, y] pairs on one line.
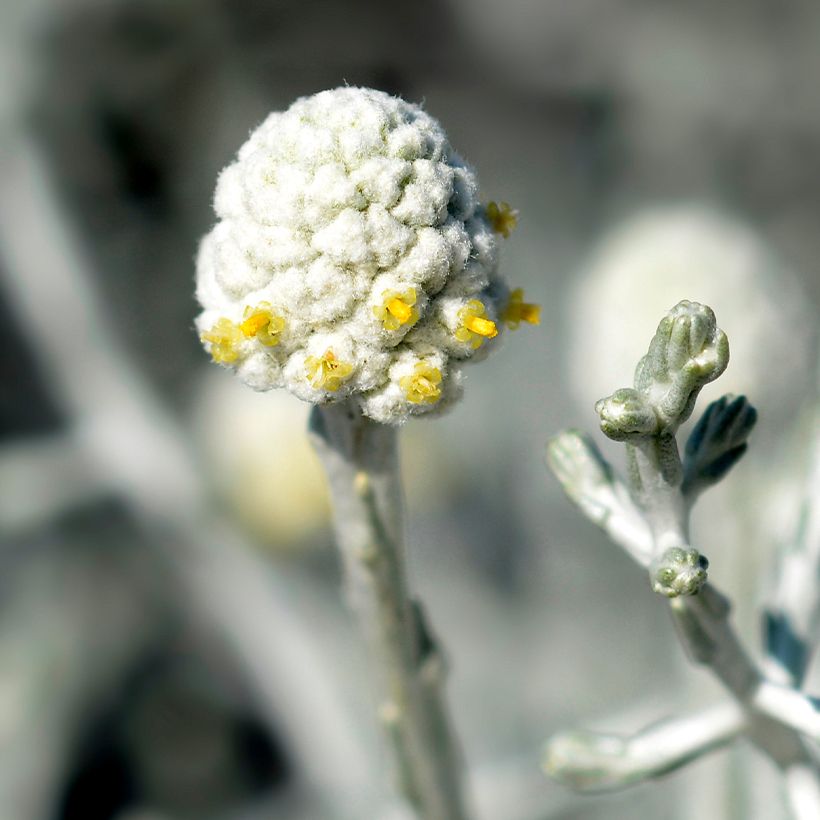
[[655, 473], [361, 460], [594, 762], [703, 619]]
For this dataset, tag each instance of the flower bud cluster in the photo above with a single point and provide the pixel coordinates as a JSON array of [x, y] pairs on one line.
[[352, 258], [687, 352], [679, 571]]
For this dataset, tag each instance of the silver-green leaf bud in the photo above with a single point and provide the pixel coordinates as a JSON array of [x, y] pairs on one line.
[[679, 571], [687, 352], [578, 464], [626, 414], [594, 486]]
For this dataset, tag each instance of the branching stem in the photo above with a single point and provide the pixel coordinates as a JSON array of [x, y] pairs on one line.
[[702, 620], [593, 762]]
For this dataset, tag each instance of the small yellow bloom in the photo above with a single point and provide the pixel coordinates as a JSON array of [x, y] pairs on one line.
[[518, 311], [327, 372], [474, 327], [225, 339], [422, 385], [397, 309], [263, 323], [502, 217]]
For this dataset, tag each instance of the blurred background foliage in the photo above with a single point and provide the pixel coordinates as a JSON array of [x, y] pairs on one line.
[[173, 639]]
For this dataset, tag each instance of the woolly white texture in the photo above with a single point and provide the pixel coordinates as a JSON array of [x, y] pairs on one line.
[[349, 194]]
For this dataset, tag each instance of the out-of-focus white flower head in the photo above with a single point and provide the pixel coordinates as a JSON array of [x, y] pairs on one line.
[[352, 259], [666, 254], [265, 472]]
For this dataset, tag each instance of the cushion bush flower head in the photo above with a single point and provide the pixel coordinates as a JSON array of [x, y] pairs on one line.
[[352, 258]]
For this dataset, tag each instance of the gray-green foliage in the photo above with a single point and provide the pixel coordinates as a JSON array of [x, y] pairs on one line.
[[687, 352], [717, 442], [648, 515]]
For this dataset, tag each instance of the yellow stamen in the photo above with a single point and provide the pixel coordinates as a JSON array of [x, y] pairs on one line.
[[327, 372], [253, 324], [422, 385], [262, 323], [397, 309], [484, 327], [474, 326], [502, 217], [225, 339], [401, 311], [518, 311]]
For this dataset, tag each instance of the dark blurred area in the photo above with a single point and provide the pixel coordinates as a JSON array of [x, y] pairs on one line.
[[174, 644]]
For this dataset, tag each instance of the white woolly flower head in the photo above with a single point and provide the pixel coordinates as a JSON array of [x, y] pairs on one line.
[[353, 260]]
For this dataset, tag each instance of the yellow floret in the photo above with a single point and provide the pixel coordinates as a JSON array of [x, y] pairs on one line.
[[518, 311], [502, 217], [397, 309], [327, 372], [422, 385], [225, 339], [474, 327], [262, 323]]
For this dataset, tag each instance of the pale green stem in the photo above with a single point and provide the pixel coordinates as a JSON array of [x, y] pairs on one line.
[[361, 461], [703, 619], [655, 474], [593, 762], [790, 707]]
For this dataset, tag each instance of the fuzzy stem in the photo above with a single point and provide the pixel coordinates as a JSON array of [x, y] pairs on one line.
[[656, 473], [790, 707], [703, 619], [706, 633], [361, 461], [592, 762]]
